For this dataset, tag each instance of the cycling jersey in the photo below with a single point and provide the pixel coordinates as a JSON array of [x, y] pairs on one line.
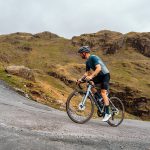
[[103, 77], [93, 61]]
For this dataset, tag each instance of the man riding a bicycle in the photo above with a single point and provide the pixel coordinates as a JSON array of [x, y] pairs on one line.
[[100, 75]]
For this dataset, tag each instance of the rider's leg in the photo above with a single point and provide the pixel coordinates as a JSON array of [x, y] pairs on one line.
[[95, 92], [93, 89], [105, 97], [106, 101], [105, 87], [104, 82]]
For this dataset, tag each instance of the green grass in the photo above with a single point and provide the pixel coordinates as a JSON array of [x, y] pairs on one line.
[[12, 80]]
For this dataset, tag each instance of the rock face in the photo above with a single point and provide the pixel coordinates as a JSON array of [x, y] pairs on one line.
[[110, 42], [141, 42], [133, 102], [62, 78], [21, 71]]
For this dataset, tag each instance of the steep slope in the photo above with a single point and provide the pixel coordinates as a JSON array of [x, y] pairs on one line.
[[56, 65]]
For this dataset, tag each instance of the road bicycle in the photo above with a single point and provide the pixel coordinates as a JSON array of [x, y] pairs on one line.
[[80, 106]]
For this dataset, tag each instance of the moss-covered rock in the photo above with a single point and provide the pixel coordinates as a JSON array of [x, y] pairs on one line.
[[21, 71]]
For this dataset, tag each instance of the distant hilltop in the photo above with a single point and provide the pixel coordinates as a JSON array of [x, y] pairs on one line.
[[22, 35], [111, 41], [108, 41]]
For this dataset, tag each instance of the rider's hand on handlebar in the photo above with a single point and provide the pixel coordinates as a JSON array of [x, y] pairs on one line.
[[88, 78], [81, 80], [78, 81]]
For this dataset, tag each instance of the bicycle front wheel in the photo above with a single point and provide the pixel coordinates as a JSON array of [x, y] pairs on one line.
[[117, 111], [75, 110]]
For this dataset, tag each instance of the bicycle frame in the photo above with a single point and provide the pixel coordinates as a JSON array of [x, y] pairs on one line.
[[75, 109], [90, 94]]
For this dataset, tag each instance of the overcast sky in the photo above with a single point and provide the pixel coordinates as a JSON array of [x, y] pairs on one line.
[[68, 18]]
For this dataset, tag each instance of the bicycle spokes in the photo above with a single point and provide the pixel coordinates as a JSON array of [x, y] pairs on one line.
[[117, 111], [79, 109]]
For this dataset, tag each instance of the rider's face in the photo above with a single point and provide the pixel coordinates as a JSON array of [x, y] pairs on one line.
[[83, 55]]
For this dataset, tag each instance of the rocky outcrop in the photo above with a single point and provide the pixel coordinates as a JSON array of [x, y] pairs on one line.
[[110, 42], [26, 48], [63, 78], [46, 35], [139, 41], [21, 71], [133, 101], [107, 41]]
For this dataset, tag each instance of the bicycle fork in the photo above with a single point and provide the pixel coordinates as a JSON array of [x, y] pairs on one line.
[[82, 104]]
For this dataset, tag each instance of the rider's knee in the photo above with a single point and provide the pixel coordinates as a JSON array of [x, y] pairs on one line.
[[103, 92], [94, 90]]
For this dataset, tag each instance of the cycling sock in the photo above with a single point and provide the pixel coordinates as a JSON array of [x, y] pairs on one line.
[[107, 109]]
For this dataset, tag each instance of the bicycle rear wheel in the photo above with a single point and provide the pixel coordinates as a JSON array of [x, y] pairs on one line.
[[117, 112], [74, 110]]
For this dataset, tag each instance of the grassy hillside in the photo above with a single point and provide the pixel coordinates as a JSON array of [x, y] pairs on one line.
[[56, 66]]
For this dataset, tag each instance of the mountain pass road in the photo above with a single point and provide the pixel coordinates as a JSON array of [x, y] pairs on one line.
[[28, 125]]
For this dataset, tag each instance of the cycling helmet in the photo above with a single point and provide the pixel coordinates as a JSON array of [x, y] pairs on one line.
[[84, 49]]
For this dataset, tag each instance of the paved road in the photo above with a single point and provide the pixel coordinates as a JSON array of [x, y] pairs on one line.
[[27, 125]]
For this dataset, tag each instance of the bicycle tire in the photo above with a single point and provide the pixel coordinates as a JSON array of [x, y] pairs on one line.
[[68, 110], [116, 102]]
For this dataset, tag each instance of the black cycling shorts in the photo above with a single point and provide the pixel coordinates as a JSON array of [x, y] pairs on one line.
[[103, 80]]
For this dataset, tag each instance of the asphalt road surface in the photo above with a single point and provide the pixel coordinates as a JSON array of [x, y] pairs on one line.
[[27, 125]]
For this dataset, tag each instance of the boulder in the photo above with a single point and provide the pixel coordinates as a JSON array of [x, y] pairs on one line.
[[21, 71]]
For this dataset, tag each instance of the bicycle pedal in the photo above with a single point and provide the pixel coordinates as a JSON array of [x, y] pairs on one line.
[[99, 113]]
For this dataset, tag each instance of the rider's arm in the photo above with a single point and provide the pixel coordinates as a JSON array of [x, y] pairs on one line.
[[84, 76], [97, 70]]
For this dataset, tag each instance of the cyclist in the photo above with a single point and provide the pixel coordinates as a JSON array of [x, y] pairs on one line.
[[100, 75]]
